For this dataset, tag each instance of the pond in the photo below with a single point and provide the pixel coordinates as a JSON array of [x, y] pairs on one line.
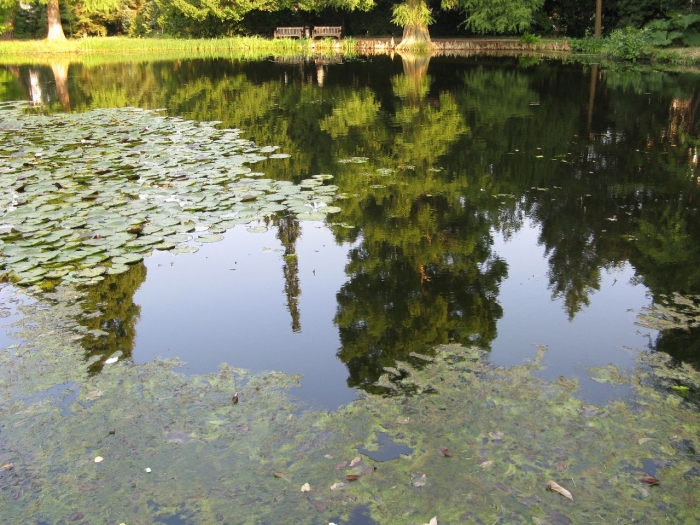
[[349, 222]]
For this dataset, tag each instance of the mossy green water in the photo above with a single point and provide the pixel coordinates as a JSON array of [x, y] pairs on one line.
[[212, 460]]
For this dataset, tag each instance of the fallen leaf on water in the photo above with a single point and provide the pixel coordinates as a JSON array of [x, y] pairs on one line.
[[352, 477], [338, 485], [94, 394], [278, 474], [650, 480], [418, 479], [554, 487], [445, 452], [486, 464], [111, 360], [305, 487], [355, 461], [99, 459]]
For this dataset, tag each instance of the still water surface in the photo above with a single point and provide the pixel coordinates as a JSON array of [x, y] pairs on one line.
[[496, 201]]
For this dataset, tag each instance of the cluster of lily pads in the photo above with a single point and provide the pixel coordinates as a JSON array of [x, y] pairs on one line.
[[83, 195]]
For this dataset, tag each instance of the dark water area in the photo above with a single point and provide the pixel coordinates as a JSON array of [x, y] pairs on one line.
[[490, 201]]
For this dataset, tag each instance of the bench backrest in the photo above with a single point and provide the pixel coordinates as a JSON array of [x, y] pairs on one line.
[[289, 31], [334, 31]]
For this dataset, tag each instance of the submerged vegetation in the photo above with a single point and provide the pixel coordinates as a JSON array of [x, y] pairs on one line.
[[477, 443]]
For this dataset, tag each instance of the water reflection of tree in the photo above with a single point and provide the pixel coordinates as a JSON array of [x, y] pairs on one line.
[[109, 307], [423, 273], [288, 231], [636, 132], [419, 279]]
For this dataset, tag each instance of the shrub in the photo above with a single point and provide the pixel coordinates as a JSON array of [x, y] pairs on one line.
[[528, 39], [627, 43], [588, 44]]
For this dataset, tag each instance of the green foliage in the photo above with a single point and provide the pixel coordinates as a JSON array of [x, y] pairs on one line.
[[675, 31], [530, 39], [505, 16], [412, 14], [622, 44], [626, 44], [589, 45]]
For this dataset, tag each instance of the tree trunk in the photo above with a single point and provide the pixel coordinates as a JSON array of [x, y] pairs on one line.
[[598, 17], [415, 34], [54, 19]]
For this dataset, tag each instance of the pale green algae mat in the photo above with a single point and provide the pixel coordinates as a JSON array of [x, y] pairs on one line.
[[145, 444]]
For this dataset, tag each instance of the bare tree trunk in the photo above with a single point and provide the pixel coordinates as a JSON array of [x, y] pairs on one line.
[[598, 17], [54, 19]]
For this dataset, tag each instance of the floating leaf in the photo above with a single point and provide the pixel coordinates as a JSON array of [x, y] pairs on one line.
[[554, 487], [650, 480], [338, 485], [418, 479], [445, 452], [210, 238]]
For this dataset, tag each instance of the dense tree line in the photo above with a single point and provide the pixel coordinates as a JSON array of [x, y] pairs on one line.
[[359, 18]]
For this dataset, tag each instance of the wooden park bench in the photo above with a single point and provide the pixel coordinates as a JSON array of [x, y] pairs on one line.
[[326, 31], [290, 32]]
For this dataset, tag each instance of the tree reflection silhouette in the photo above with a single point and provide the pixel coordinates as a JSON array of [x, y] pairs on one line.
[[109, 308]]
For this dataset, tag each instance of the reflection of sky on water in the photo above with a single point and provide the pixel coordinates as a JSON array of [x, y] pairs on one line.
[[226, 303], [600, 334], [10, 299]]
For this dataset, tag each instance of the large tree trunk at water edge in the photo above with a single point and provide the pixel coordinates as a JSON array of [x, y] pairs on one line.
[[415, 35], [54, 19]]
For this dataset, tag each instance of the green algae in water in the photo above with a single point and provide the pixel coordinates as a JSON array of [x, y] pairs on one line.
[[508, 431]]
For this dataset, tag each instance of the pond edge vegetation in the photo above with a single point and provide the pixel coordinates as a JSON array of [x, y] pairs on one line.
[[622, 45]]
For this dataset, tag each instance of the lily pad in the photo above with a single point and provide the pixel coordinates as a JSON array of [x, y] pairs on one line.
[[210, 238]]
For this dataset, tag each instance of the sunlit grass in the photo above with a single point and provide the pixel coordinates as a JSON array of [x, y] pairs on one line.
[[169, 48]]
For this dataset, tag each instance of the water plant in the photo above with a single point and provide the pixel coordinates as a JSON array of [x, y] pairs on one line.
[[89, 194], [471, 442]]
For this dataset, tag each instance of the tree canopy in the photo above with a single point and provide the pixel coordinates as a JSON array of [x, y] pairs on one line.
[[359, 18]]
